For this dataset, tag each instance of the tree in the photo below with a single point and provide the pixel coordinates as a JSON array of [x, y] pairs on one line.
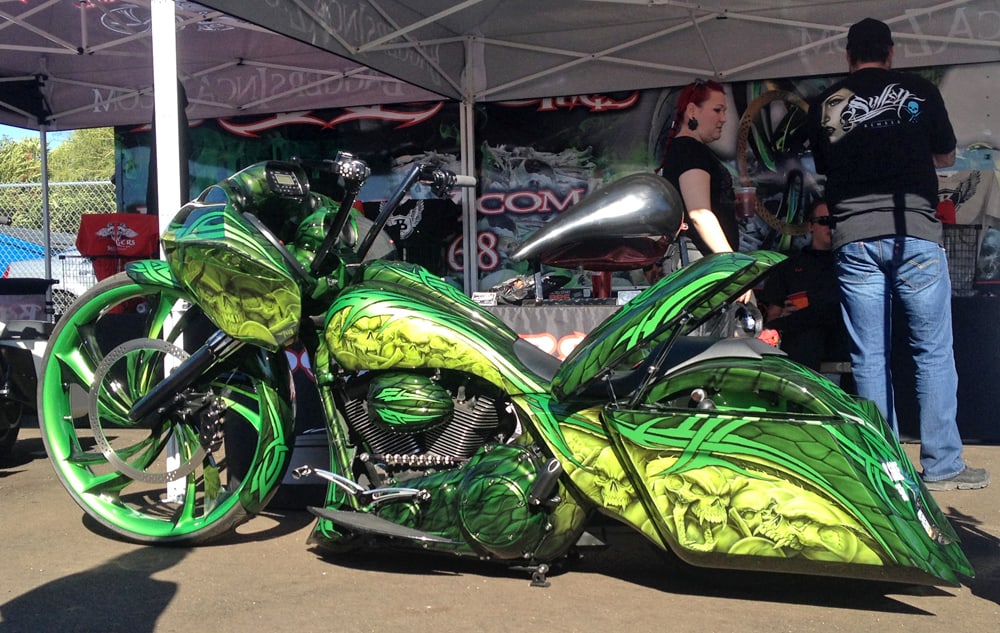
[[20, 161], [87, 155]]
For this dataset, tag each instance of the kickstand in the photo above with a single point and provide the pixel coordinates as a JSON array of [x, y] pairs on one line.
[[538, 573], [538, 578]]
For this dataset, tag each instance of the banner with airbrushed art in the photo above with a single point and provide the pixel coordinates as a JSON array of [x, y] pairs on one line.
[[536, 158]]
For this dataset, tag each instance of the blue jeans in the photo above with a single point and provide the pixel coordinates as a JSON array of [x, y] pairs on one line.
[[914, 272]]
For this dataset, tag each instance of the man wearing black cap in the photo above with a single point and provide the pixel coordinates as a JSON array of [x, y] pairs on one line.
[[879, 135]]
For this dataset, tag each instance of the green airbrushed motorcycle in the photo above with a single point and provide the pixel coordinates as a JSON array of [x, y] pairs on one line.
[[167, 407]]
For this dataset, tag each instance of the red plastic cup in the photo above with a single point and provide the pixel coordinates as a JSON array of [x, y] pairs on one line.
[[600, 283], [746, 202], [946, 211]]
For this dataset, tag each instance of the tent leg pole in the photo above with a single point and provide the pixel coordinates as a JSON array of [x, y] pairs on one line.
[[168, 156], [468, 158], [165, 114], [46, 221]]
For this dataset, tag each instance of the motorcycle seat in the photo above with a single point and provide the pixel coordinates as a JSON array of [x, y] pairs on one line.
[[539, 361]]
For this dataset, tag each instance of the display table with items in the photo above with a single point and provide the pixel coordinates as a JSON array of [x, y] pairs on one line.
[[557, 329]]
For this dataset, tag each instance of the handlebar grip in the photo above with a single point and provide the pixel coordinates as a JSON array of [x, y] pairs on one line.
[[465, 181]]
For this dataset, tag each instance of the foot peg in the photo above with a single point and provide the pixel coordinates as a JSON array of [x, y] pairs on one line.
[[363, 496]]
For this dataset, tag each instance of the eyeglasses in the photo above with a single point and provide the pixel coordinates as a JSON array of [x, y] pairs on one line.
[[823, 220]]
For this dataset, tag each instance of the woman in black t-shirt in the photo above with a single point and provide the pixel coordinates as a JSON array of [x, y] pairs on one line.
[[702, 180]]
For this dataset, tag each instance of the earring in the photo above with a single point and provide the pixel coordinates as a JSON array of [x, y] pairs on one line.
[[692, 124]]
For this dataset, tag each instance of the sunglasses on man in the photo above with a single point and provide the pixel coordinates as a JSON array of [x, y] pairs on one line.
[[823, 220]]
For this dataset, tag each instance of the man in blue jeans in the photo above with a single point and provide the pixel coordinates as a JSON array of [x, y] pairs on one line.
[[879, 135]]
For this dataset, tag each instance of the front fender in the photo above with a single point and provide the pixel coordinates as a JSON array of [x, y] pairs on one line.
[[152, 272], [264, 472]]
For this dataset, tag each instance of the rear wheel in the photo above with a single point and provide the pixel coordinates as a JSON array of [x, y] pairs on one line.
[[217, 455]]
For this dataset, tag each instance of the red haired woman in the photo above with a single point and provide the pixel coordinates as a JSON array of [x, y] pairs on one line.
[[702, 180]]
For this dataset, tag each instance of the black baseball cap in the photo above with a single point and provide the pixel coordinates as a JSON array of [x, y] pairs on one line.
[[871, 32]]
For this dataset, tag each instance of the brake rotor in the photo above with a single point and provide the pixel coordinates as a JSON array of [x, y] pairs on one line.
[[149, 347]]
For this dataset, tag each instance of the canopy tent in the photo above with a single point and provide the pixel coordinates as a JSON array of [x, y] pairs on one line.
[[505, 50], [82, 64], [491, 50], [69, 65]]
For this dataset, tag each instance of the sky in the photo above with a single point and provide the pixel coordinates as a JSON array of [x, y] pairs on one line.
[[17, 133]]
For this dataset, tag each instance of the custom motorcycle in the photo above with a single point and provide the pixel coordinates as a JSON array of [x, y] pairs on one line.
[[167, 408]]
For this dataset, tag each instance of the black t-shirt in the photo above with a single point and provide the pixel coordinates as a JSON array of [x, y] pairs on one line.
[[810, 274], [685, 153], [874, 135], [815, 332]]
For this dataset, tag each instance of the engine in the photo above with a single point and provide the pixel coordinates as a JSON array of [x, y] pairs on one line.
[[409, 422]]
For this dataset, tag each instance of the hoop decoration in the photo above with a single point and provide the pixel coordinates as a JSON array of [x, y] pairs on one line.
[[745, 127]]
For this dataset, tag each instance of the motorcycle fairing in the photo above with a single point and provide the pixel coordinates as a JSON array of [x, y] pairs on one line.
[[790, 475], [237, 276], [380, 326], [674, 305]]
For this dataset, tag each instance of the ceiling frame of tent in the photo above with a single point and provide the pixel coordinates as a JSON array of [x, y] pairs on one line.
[[463, 29], [50, 80], [578, 58], [699, 13], [11, 106]]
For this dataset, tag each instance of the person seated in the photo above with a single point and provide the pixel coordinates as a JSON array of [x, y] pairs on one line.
[[801, 299]]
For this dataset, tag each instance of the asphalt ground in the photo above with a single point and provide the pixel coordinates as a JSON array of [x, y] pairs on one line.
[[61, 572]]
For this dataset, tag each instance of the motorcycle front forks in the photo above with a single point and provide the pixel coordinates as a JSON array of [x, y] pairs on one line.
[[151, 408]]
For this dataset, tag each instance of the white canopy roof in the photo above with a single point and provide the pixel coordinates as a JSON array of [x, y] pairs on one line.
[[69, 65], [92, 61], [66, 64], [489, 50]]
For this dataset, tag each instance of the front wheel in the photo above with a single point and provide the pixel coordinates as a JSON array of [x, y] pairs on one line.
[[189, 476]]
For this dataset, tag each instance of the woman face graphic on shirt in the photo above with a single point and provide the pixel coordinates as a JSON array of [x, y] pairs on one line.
[[833, 114]]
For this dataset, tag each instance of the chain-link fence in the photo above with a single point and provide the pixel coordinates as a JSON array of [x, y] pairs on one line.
[[22, 236]]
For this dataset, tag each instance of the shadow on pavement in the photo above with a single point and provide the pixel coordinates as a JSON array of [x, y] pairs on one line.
[[981, 547], [262, 527], [25, 451], [118, 595], [630, 558]]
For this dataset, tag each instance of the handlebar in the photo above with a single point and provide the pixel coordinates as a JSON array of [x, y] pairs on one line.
[[353, 172], [441, 182], [465, 181]]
